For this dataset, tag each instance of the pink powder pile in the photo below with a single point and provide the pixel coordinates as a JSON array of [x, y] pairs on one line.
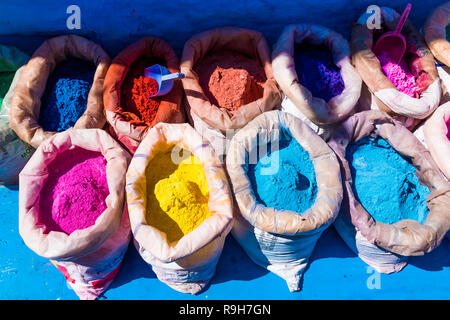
[[448, 128], [74, 194], [400, 75]]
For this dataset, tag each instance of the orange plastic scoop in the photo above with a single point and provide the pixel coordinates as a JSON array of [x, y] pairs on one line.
[[393, 43]]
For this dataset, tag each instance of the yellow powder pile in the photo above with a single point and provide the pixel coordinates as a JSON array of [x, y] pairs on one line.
[[177, 195]]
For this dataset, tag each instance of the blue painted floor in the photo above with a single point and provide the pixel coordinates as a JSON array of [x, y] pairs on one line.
[[334, 273]]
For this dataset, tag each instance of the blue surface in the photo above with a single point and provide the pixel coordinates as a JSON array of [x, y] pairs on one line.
[[334, 273], [115, 24]]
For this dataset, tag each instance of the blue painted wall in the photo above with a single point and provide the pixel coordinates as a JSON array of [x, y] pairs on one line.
[[114, 24]]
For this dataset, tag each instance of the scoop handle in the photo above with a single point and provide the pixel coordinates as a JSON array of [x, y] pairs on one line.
[[172, 76], [403, 18]]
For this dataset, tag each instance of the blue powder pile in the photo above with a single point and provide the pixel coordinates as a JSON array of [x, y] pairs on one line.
[[317, 71], [65, 98], [293, 186], [385, 182]]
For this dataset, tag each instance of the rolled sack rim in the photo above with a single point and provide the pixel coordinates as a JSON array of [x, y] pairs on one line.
[[369, 68], [152, 47], [434, 131], [220, 201], [435, 33], [58, 245], [316, 109], [405, 237], [225, 37], [284, 222], [26, 101]]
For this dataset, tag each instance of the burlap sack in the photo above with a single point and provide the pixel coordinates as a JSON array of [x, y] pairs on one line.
[[435, 35], [315, 109], [14, 153], [26, 102], [188, 264], [280, 240], [386, 247], [209, 119], [126, 126], [89, 258], [382, 93], [435, 133]]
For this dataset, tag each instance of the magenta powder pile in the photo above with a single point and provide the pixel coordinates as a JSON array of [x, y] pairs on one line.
[[74, 194], [448, 128], [400, 75]]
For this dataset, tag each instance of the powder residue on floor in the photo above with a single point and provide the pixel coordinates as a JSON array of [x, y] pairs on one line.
[[136, 89], [5, 82], [74, 194], [293, 186], [385, 182], [230, 79], [400, 75], [177, 195], [65, 98], [317, 72]]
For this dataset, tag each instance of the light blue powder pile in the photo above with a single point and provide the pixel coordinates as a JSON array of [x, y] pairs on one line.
[[385, 182], [284, 178]]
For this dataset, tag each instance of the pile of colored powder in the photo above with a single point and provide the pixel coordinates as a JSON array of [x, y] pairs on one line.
[[136, 89], [74, 194], [385, 182], [284, 178], [177, 195], [65, 98], [317, 72], [5, 82], [400, 75], [230, 79], [448, 128]]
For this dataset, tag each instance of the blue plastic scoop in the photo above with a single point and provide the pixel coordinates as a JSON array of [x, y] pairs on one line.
[[163, 77]]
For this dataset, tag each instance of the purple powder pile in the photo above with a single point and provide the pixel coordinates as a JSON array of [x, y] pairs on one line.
[[317, 71]]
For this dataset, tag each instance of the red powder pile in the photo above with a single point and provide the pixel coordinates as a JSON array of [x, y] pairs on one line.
[[230, 79], [136, 88], [400, 76], [74, 194]]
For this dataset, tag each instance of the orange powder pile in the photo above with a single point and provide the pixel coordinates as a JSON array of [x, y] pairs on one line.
[[230, 79]]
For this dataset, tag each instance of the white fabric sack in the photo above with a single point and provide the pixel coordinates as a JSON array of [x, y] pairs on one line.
[[280, 240], [186, 265], [88, 258]]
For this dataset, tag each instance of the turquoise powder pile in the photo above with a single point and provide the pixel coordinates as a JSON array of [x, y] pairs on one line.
[[293, 186], [385, 182]]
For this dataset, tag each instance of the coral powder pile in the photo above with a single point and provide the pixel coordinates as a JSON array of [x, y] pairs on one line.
[[284, 178], [317, 71], [65, 98], [400, 75], [136, 89], [230, 79], [385, 182], [177, 195], [74, 194]]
